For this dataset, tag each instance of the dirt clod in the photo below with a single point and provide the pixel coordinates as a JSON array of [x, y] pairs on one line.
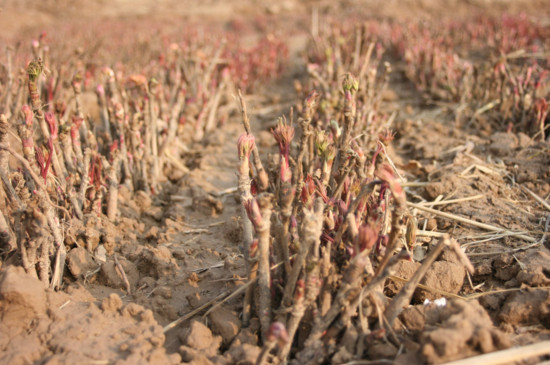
[[463, 329], [73, 331], [535, 270], [21, 292], [381, 350], [224, 323], [485, 267], [111, 276], [204, 202], [404, 270], [163, 291], [80, 262], [503, 143], [156, 262], [190, 355], [199, 337], [437, 188], [414, 317], [244, 354], [112, 303], [442, 275], [527, 308]]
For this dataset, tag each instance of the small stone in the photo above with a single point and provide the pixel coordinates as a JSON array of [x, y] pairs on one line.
[[419, 252], [100, 253]]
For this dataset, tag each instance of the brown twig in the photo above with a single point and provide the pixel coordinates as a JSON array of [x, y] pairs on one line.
[[458, 218]]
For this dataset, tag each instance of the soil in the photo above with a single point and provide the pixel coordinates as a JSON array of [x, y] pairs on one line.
[[180, 248]]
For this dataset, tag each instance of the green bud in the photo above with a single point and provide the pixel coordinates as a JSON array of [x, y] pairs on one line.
[[350, 83], [35, 69]]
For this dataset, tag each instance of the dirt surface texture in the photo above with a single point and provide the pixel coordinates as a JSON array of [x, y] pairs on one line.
[[274, 182]]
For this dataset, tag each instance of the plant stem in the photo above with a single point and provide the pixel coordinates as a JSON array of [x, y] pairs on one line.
[[264, 282], [263, 179], [311, 238], [112, 200]]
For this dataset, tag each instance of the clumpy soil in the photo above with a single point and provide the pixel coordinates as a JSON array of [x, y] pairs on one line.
[[180, 249], [73, 327]]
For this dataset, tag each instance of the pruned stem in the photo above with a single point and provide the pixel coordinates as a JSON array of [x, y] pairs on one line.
[[84, 177], [264, 273], [153, 138], [247, 237], [112, 200], [252, 264], [173, 123], [311, 238], [263, 179]]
